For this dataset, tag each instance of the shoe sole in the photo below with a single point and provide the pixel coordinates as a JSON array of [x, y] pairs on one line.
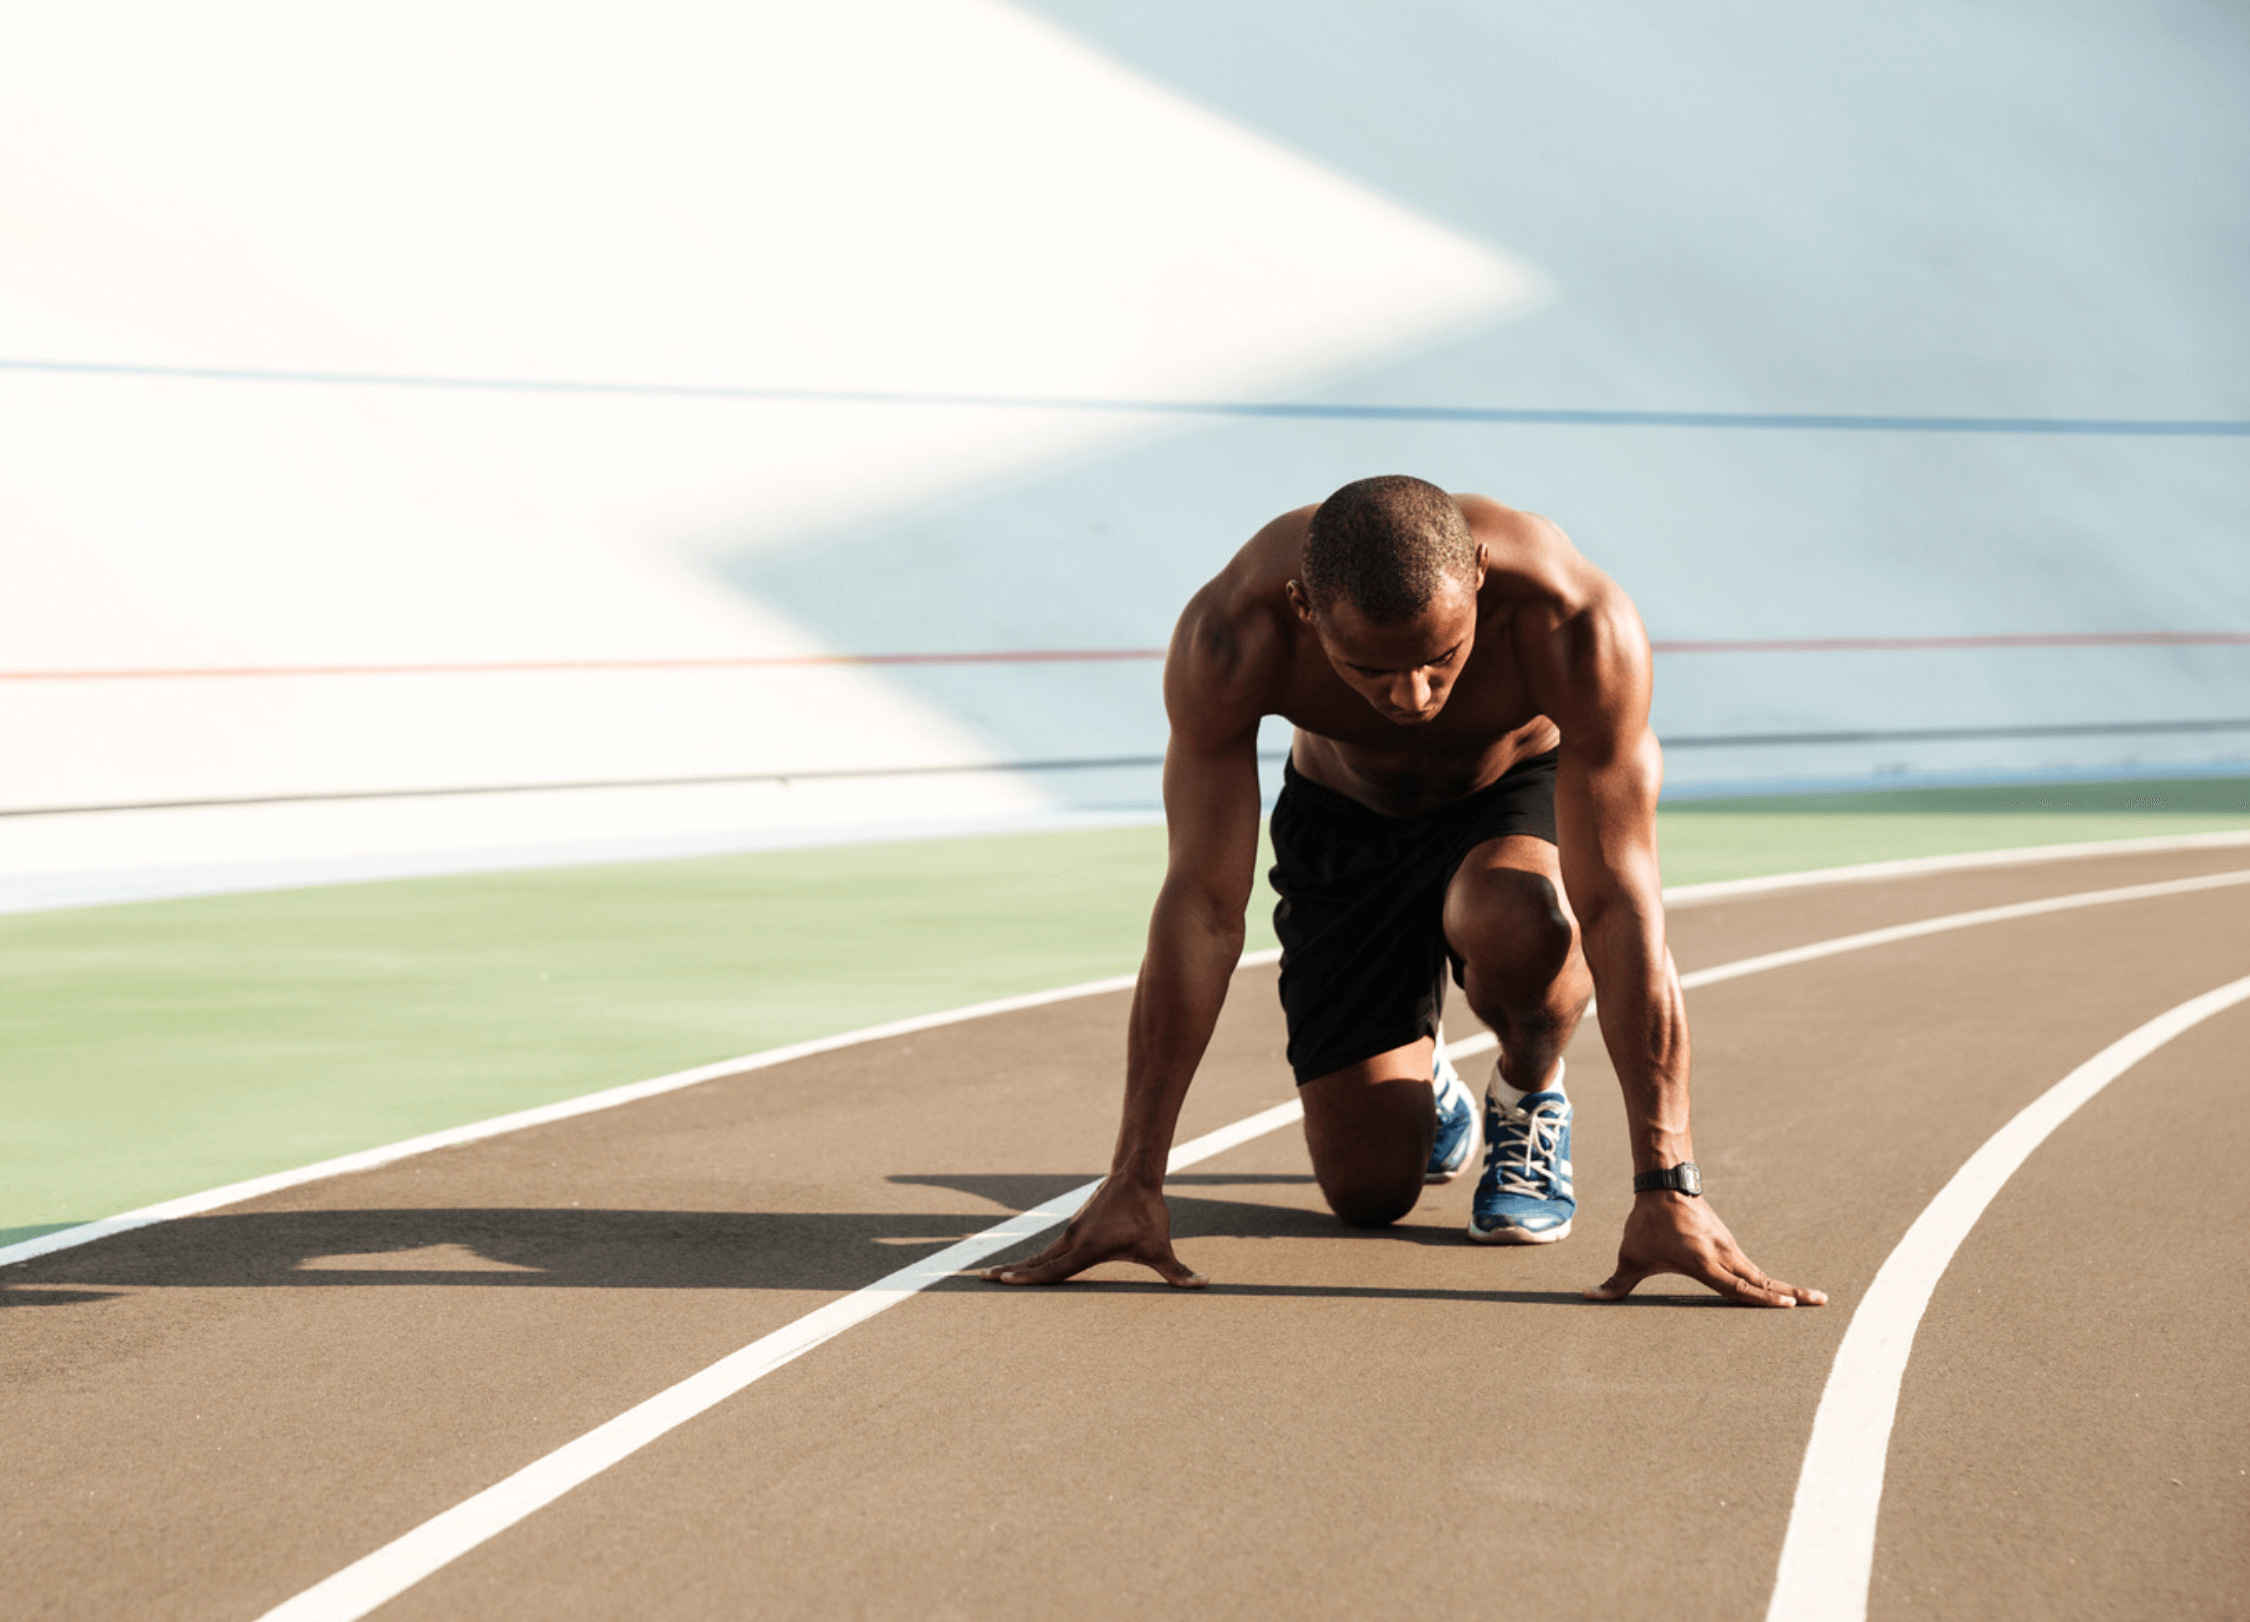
[[1519, 1236], [1474, 1156]]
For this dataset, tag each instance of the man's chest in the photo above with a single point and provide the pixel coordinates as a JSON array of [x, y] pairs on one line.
[[1484, 706]]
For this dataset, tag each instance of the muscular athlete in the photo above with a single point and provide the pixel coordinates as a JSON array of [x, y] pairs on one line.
[[1472, 787]]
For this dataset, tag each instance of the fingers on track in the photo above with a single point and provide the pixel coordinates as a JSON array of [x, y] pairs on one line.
[[1617, 1286], [1048, 1268], [1752, 1289]]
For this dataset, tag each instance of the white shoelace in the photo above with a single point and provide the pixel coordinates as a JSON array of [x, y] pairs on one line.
[[1539, 1129]]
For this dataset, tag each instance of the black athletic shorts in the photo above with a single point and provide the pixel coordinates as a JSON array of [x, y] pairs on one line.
[[1361, 916]]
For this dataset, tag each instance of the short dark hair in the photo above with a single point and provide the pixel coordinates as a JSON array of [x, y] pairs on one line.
[[1386, 546]]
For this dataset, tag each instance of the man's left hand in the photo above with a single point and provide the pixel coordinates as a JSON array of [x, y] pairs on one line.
[[1678, 1233]]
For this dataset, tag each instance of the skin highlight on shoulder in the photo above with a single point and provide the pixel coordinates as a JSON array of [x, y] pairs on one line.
[[1232, 648]]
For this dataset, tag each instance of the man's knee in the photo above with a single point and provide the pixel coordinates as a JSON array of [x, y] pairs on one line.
[[1364, 1200], [1369, 1129], [1514, 929]]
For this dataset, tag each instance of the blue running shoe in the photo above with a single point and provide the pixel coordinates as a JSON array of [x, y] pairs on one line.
[[1525, 1196], [1457, 1137]]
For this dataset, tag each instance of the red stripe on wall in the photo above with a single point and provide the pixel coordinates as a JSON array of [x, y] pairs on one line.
[[1038, 656]]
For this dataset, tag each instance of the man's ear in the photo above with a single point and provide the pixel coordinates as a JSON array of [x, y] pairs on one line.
[[1299, 601], [1480, 566]]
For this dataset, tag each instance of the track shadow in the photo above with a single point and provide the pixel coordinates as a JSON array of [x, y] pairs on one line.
[[1194, 1218], [1020, 1191], [1384, 1292], [507, 1248], [519, 1248], [20, 1296], [516, 1248]]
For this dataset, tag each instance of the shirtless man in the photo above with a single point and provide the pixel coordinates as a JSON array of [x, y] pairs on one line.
[[1472, 786]]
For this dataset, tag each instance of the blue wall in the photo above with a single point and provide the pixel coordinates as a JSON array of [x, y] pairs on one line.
[[2002, 211]]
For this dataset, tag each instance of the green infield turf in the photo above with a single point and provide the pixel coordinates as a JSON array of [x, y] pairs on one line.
[[157, 1049]]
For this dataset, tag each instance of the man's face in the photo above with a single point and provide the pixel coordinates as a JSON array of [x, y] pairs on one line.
[[1406, 671]]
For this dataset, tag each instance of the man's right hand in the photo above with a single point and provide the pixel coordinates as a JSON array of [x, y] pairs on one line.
[[1219, 677], [1124, 1222]]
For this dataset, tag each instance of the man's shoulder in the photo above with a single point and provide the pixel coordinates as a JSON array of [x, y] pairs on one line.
[[1236, 627], [1531, 565], [1231, 649], [1515, 540], [1249, 598]]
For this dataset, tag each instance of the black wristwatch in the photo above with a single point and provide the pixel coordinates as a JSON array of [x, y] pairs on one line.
[[1681, 1179]]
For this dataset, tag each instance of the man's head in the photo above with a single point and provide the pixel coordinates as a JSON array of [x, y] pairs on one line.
[[1386, 546], [1389, 584]]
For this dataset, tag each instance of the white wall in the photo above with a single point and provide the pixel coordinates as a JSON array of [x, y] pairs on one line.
[[787, 227]]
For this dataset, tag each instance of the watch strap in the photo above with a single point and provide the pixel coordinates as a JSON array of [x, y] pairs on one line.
[[1685, 1178]]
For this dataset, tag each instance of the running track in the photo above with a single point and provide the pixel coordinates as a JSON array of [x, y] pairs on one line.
[[209, 1416]]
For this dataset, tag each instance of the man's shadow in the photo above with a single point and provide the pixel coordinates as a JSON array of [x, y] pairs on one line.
[[591, 1248]]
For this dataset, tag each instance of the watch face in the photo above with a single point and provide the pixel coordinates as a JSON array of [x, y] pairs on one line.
[[1685, 1178]]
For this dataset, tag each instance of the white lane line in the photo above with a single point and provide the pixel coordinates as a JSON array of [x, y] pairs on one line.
[[609, 1098], [1828, 1554], [1687, 895], [1958, 920], [1484, 1041], [399, 1565]]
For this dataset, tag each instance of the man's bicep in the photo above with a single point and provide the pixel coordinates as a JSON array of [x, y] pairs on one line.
[[1211, 819], [1605, 808], [1588, 670], [1216, 677]]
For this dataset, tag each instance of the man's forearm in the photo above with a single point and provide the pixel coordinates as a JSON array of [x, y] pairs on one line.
[[1192, 952], [1644, 1025]]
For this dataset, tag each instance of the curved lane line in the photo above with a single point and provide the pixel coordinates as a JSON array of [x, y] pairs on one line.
[[1914, 867], [377, 1578], [1959, 920], [1828, 1554], [1484, 1041]]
